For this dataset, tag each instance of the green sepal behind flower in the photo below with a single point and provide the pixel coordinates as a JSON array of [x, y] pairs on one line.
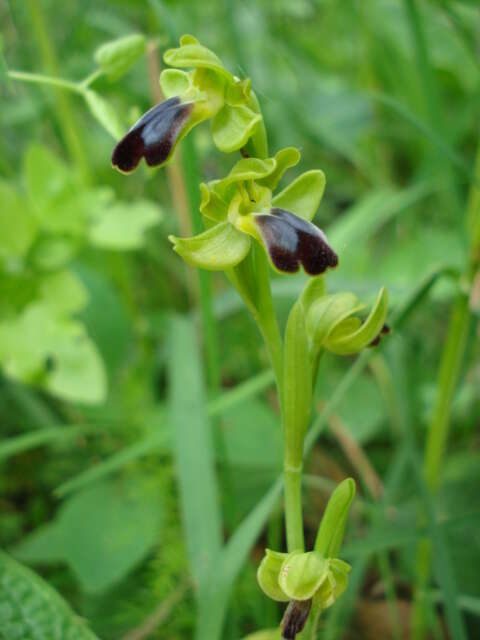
[[116, 57], [332, 527]]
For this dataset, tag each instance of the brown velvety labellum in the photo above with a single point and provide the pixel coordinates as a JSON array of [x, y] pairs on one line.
[[153, 136], [295, 617], [383, 331], [292, 241]]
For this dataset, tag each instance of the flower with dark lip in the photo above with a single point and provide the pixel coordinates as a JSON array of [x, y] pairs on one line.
[[154, 136], [292, 241]]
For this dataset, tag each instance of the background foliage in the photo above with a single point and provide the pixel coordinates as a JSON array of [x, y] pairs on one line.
[[141, 442]]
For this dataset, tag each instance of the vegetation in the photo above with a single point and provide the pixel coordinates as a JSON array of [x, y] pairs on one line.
[[146, 423]]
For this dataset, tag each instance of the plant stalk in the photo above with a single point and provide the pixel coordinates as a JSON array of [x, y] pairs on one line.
[[449, 372]]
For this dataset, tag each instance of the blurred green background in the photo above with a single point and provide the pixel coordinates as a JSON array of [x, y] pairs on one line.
[[105, 351]]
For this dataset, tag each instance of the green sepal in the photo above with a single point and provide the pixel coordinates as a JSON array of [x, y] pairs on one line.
[[345, 341], [217, 249], [334, 586], [285, 159], [302, 574], [249, 169], [117, 56], [315, 289], [268, 574], [175, 82], [325, 313], [332, 527], [302, 196], [192, 55], [232, 126]]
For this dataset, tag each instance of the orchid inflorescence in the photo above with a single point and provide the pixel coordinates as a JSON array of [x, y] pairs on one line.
[[248, 219]]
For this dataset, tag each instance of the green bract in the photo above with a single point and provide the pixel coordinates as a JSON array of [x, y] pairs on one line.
[[244, 201], [316, 574], [117, 56]]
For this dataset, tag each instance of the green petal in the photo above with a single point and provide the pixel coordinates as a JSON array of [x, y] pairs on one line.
[[302, 574], [174, 82], [249, 169], [191, 54], [348, 343], [303, 195], [233, 126], [216, 249], [268, 574], [332, 526], [213, 206], [285, 158]]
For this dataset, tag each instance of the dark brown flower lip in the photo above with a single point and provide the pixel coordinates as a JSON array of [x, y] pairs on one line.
[[385, 330], [292, 241], [153, 136], [295, 617]]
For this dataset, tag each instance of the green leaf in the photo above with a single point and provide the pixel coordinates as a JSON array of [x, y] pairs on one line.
[[123, 225], [102, 533], [268, 575], [233, 126], [302, 574], [104, 113], [285, 158], [63, 292], [343, 341], [303, 195], [32, 610], [332, 527], [194, 454], [174, 82], [219, 248], [17, 225], [116, 57], [297, 388]]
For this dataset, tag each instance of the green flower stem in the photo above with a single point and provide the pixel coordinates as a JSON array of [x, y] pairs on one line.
[[450, 367], [65, 113], [38, 78]]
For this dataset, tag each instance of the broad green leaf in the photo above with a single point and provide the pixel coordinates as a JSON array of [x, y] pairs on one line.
[[303, 195], [268, 575], [302, 574], [124, 225], [332, 527], [233, 126], [117, 56], [17, 225], [217, 249], [63, 292], [343, 343], [32, 610], [102, 533], [174, 82], [78, 373], [104, 113], [194, 454], [40, 346], [285, 158]]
